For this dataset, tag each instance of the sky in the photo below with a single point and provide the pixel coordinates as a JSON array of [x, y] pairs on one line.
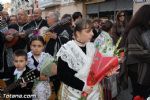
[[4, 1]]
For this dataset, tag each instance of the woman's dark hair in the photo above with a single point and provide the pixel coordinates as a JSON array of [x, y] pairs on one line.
[[140, 19], [119, 14], [107, 26], [76, 15], [65, 16], [39, 38], [20, 52], [82, 24], [118, 21]]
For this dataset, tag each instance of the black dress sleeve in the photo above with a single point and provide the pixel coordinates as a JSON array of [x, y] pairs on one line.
[[136, 47], [66, 75], [2, 39]]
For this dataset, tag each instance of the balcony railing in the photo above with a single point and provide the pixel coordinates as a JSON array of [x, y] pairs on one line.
[[48, 3]]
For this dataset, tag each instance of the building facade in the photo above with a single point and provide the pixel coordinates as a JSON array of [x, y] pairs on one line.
[[71, 7], [27, 5], [7, 7], [138, 4], [60, 6], [89, 8], [48, 5], [108, 8]]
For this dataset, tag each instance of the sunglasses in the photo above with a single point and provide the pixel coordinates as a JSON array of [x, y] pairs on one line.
[[121, 15]]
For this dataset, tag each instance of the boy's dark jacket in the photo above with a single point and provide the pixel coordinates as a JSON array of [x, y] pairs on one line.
[[27, 90]]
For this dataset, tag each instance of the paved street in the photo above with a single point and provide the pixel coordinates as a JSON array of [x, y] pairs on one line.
[[125, 95]]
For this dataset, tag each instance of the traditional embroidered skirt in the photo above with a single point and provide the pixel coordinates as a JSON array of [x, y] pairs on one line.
[[69, 93], [42, 90]]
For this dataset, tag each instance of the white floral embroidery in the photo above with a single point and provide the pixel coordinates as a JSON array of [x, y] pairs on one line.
[[80, 62], [41, 88], [42, 91], [41, 58], [76, 58]]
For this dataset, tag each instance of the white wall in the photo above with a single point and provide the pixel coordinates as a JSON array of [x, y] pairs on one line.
[[136, 6], [66, 1], [70, 9]]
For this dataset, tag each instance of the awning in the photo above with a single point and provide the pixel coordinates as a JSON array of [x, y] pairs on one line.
[[107, 6], [112, 5], [124, 5], [92, 8]]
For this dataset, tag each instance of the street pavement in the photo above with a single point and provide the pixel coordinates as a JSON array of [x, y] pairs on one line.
[[126, 94]]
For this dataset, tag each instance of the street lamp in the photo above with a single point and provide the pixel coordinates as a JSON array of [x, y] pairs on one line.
[[139, 1]]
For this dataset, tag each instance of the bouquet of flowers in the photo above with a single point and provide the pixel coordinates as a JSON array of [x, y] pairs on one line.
[[46, 65], [100, 67]]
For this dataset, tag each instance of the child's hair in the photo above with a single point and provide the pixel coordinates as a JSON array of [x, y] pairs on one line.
[[20, 53], [76, 15], [39, 38], [107, 26], [82, 24]]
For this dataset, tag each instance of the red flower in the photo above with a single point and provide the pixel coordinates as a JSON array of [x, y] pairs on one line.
[[101, 65]]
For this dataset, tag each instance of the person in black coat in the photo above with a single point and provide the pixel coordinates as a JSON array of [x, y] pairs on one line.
[[17, 72], [2, 40], [20, 43], [20, 89], [137, 53], [22, 26], [60, 35], [38, 22]]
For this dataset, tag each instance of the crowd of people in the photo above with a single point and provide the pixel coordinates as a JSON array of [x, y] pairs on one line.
[[68, 45]]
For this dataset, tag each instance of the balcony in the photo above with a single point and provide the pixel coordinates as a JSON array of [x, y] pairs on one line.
[[48, 3]]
